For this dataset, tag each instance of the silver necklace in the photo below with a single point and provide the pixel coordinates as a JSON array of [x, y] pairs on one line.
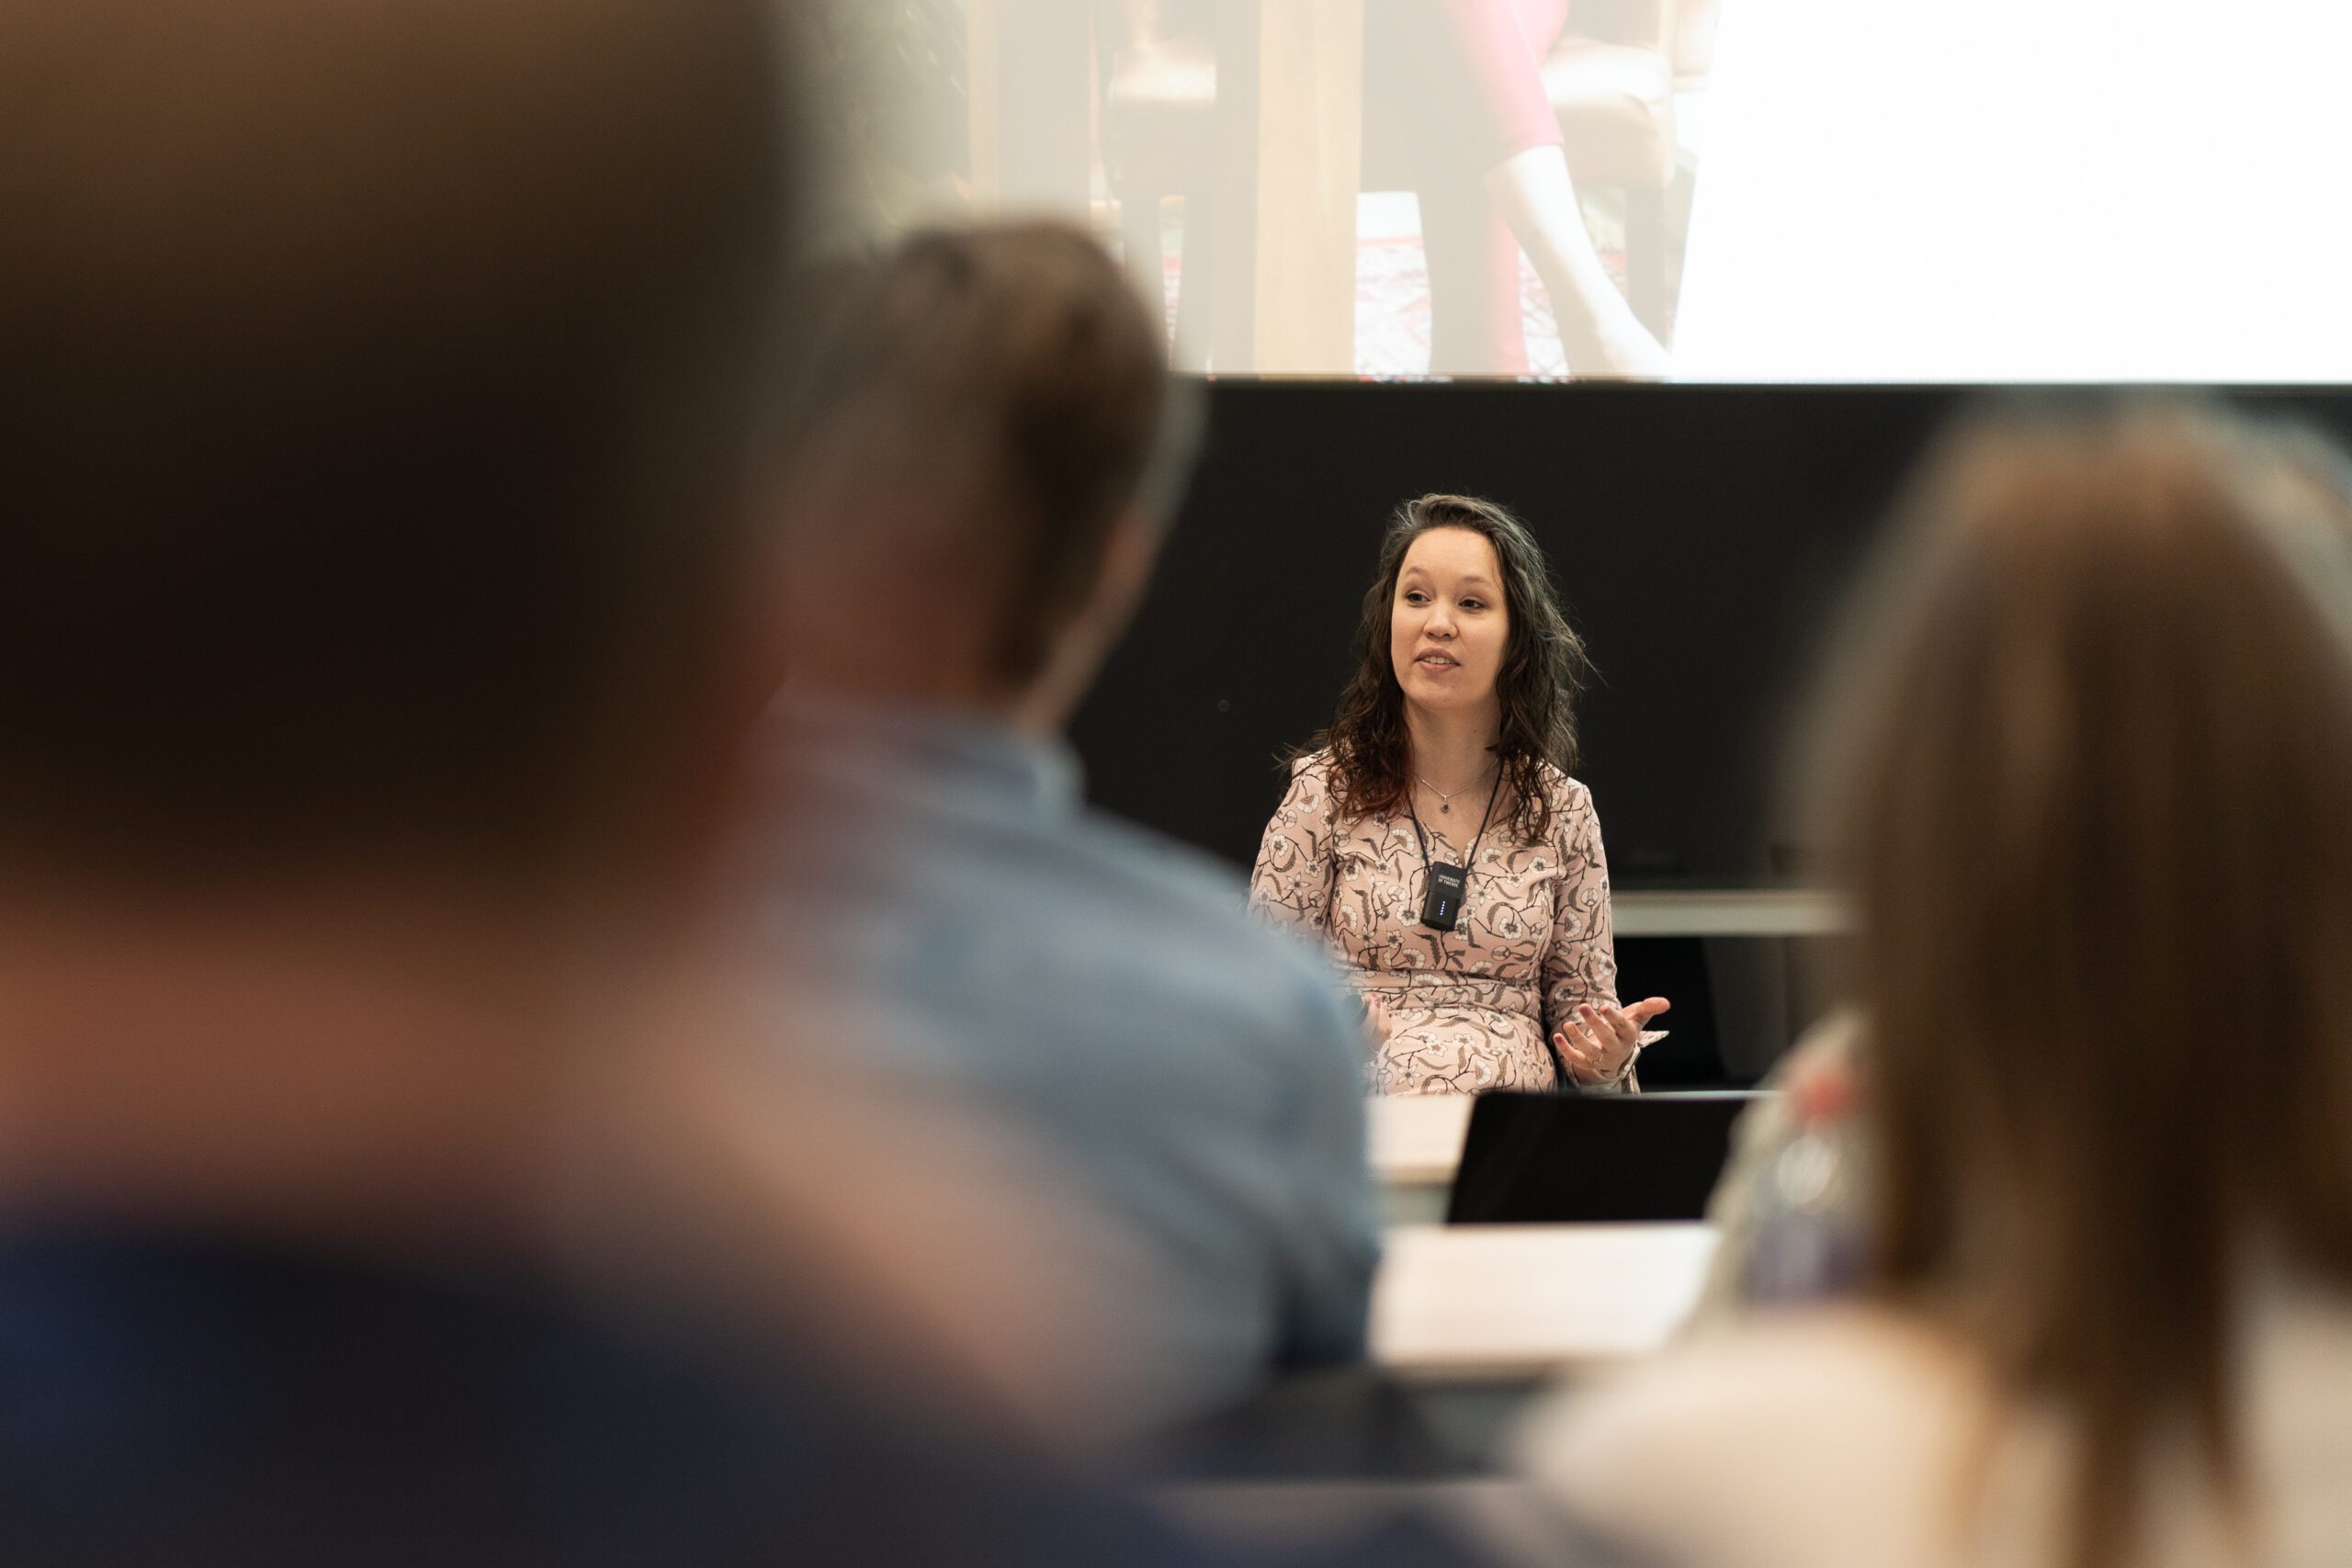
[[1445, 801]]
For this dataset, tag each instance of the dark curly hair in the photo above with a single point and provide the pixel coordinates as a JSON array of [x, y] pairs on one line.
[[1544, 671]]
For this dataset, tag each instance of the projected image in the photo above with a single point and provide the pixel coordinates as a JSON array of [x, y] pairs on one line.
[[1497, 188], [1757, 191], [1382, 188]]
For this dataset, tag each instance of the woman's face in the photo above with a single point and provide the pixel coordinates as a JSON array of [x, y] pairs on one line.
[[1447, 625]]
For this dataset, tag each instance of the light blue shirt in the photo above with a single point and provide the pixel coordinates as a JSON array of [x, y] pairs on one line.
[[1197, 1074]]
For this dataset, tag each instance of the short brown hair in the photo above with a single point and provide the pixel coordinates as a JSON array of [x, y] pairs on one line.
[[2093, 790], [374, 413], [1008, 377]]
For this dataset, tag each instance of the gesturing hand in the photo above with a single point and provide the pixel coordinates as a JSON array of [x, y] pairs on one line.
[[1375, 1019], [1598, 1042]]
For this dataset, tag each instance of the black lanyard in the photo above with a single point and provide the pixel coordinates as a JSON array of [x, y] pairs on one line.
[[1441, 895]]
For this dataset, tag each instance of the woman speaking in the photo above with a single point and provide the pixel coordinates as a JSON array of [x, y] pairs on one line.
[[1433, 838]]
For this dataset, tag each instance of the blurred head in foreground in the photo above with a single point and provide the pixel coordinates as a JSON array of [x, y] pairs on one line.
[[988, 448], [2093, 785], [386, 391], [375, 429]]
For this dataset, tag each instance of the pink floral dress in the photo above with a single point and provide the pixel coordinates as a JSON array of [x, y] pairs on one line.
[[1472, 1008]]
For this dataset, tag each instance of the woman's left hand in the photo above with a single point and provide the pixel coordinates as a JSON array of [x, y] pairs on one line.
[[1597, 1043]]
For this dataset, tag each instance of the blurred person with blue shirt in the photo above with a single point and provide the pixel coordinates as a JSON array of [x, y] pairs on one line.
[[988, 451]]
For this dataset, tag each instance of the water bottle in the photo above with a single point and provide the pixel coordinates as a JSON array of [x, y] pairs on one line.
[[1808, 1209]]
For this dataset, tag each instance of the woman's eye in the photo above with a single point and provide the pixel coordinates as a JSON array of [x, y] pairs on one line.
[[1414, 596], [1474, 603]]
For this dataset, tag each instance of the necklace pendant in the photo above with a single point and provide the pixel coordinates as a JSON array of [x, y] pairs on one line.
[[1446, 807]]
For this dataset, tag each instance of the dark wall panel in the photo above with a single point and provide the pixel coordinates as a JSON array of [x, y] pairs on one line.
[[1699, 535], [1703, 535]]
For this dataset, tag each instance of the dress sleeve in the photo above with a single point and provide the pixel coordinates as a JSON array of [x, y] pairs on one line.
[[1292, 882], [1580, 965]]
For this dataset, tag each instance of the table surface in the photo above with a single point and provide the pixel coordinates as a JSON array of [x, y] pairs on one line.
[[1500, 1302], [1415, 1140], [1727, 912]]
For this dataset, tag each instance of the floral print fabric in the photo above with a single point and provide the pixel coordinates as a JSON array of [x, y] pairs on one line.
[[1472, 1008]]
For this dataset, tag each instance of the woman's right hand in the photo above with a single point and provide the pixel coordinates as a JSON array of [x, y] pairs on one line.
[[1375, 1019]]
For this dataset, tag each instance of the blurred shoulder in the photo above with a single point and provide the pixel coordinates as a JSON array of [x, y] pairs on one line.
[[1198, 904], [1759, 1428], [1184, 879], [1167, 935]]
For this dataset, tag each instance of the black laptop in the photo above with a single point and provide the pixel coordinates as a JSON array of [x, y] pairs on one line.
[[1552, 1158]]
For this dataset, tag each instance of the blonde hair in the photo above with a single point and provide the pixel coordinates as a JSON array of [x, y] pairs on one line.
[[2091, 766]]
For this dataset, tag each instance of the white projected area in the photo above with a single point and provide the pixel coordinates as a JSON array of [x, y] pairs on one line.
[[2022, 190]]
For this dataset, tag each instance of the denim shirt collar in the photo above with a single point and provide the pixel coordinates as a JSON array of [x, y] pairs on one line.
[[862, 741]]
